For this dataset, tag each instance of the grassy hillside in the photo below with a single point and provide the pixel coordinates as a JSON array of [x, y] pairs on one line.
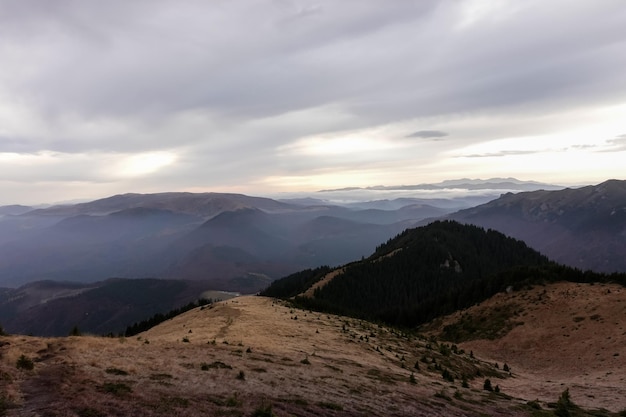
[[551, 336], [255, 356]]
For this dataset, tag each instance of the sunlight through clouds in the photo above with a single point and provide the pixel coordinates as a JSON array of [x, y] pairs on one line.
[[144, 163]]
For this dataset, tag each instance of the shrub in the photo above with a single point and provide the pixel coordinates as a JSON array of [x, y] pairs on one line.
[[25, 363], [75, 331], [232, 401], [89, 412], [487, 385], [215, 365], [331, 406], [116, 371], [447, 375], [160, 377], [443, 395], [5, 405], [564, 405], [241, 375], [305, 361], [116, 388], [264, 410]]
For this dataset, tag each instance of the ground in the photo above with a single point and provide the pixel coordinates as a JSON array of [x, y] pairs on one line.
[[564, 335], [250, 354]]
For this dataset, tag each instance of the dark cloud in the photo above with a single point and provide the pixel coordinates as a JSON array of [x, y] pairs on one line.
[[428, 134]]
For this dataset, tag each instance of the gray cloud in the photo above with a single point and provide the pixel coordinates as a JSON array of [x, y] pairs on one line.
[[428, 134], [617, 144], [224, 85]]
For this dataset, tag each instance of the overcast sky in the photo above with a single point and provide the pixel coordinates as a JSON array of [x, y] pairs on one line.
[[262, 96]]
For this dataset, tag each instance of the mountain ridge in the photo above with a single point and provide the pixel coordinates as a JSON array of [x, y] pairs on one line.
[[583, 227]]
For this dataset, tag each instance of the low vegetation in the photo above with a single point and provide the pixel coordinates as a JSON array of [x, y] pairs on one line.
[[25, 363]]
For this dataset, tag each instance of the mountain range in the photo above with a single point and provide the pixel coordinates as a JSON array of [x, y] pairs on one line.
[[225, 238], [241, 244], [236, 242], [464, 184]]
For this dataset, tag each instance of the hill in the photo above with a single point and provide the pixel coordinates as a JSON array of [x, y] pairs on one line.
[[583, 227], [14, 209], [254, 356], [418, 275], [427, 272], [49, 308], [551, 336]]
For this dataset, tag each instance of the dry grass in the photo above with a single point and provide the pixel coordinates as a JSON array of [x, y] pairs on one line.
[[250, 354], [299, 362], [562, 335]]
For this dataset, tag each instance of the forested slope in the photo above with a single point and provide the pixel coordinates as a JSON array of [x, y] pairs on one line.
[[430, 271]]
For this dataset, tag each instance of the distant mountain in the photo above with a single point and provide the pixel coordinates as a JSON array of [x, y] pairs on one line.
[[583, 227], [48, 308], [196, 204], [14, 209], [464, 183], [497, 184], [237, 242]]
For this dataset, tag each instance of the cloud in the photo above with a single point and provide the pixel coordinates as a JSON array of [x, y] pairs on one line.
[[427, 134], [618, 143], [501, 153], [228, 86]]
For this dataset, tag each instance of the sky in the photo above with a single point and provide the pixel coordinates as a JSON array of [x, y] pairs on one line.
[[269, 96]]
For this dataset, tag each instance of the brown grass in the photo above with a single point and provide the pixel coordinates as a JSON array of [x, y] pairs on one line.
[[561, 336], [354, 368], [311, 364]]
